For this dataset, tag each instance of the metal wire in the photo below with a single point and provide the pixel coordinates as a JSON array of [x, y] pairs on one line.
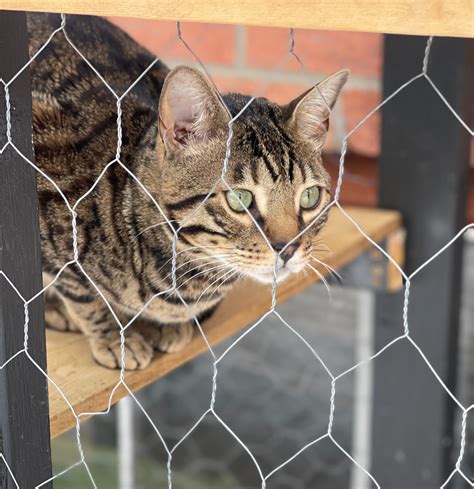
[[216, 360]]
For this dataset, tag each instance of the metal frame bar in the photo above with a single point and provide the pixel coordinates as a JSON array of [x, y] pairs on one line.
[[126, 443], [423, 173], [24, 417]]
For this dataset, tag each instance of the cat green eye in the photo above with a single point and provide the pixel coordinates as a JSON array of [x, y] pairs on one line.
[[310, 197], [239, 199]]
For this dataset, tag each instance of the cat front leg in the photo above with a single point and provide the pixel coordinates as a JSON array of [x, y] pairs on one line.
[[95, 320], [166, 338], [107, 351], [56, 314]]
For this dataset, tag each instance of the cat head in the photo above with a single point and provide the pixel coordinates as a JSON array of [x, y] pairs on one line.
[[275, 183]]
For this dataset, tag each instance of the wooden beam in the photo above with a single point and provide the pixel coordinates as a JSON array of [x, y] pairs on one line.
[[423, 17], [88, 386], [24, 427]]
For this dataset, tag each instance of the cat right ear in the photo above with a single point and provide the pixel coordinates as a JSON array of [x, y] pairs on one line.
[[308, 114], [190, 112]]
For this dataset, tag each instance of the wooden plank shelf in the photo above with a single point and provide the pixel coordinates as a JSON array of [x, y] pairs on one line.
[[88, 385], [423, 17]]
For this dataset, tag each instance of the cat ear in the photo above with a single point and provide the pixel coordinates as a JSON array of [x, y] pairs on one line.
[[309, 113], [190, 110]]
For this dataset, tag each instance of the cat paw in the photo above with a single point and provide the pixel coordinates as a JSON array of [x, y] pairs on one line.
[[174, 337], [107, 351]]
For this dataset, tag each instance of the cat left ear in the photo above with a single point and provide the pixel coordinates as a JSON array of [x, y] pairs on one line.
[[309, 113], [190, 111]]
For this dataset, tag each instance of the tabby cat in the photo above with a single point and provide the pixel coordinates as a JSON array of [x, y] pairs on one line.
[[174, 134]]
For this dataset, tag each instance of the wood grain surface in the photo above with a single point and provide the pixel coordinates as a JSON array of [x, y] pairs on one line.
[[424, 17]]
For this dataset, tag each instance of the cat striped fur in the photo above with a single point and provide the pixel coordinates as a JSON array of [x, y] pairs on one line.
[[175, 130]]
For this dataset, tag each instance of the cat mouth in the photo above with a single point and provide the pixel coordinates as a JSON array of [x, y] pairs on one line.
[[267, 275]]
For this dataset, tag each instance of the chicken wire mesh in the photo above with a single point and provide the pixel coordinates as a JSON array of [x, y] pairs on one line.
[[218, 358], [265, 374]]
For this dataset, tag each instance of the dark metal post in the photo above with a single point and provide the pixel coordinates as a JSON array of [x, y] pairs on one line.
[[423, 173], [24, 420]]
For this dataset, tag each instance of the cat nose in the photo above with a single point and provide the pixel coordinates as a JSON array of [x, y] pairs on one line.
[[288, 252]]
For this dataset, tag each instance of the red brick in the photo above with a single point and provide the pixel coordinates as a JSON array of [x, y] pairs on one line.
[[320, 51], [214, 44], [356, 105], [280, 93]]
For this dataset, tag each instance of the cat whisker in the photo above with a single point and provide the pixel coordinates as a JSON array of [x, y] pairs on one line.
[[212, 283], [204, 258], [195, 268], [223, 265], [232, 275], [329, 269], [180, 252], [153, 226], [323, 280], [188, 250], [218, 269], [321, 247], [235, 272], [320, 244]]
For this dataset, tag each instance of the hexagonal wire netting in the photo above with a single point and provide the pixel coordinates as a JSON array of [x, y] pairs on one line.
[[219, 359]]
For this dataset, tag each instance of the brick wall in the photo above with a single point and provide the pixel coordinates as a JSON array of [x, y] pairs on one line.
[[256, 60]]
